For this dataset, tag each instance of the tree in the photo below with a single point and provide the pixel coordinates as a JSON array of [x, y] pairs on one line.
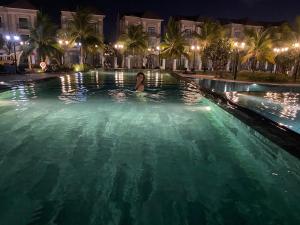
[[291, 34], [285, 61], [81, 29], [218, 52], [259, 46], [211, 31], [174, 44], [42, 39], [135, 39]]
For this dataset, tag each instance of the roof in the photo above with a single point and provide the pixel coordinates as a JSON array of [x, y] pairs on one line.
[[21, 4], [146, 15], [247, 21], [93, 10]]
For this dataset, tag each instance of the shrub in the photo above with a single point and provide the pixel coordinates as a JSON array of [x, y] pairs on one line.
[[81, 67], [262, 76]]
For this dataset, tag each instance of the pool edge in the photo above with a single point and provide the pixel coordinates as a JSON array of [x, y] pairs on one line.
[[284, 137]]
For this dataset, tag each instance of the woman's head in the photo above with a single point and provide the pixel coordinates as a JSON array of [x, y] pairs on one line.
[[140, 77]]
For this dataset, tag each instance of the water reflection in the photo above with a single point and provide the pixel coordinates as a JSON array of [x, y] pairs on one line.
[[119, 79], [154, 79], [190, 94], [281, 107], [21, 94], [72, 88], [289, 102]]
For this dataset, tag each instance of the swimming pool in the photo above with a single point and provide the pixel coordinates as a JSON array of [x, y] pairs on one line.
[[283, 108], [85, 149]]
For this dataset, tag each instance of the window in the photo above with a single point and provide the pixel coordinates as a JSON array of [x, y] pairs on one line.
[[237, 34], [23, 23], [188, 32], [151, 30], [24, 37], [95, 27]]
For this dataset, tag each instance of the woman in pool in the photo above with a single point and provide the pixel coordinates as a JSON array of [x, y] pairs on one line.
[[140, 79]]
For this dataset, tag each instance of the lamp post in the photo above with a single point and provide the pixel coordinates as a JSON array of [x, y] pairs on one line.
[[119, 47], [14, 39], [236, 49], [297, 47], [158, 49], [195, 48], [64, 44]]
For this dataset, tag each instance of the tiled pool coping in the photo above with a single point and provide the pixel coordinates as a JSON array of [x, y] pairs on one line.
[[280, 135]]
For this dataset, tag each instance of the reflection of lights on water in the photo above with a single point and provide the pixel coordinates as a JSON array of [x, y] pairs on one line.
[[190, 94], [288, 101], [75, 94], [21, 94], [119, 79], [97, 78], [233, 96], [154, 79]]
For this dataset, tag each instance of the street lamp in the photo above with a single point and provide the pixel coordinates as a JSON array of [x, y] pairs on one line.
[[237, 47], [64, 44], [119, 47], [14, 39], [158, 48], [195, 48]]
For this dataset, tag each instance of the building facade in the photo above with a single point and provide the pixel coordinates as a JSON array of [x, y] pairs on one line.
[[152, 25], [72, 55], [16, 19]]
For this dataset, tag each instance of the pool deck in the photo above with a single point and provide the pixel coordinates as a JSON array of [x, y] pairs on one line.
[[212, 77]]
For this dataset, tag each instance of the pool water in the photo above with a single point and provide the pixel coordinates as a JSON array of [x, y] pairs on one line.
[[85, 149], [283, 108]]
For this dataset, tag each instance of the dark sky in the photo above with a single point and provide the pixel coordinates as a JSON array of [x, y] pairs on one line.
[[269, 10]]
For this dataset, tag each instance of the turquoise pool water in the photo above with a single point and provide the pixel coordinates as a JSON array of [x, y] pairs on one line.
[[283, 108], [86, 149]]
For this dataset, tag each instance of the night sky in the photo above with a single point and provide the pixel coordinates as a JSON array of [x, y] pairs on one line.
[[269, 10]]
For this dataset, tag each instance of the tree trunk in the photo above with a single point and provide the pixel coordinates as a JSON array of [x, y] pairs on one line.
[[29, 62]]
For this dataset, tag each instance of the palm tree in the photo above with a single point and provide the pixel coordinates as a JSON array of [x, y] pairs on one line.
[[291, 34], [135, 40], [211, 31], [82, 29], [259, 46], [174, 45], [42, 38]]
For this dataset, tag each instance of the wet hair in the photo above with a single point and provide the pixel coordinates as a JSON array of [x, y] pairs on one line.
[[144, 77]]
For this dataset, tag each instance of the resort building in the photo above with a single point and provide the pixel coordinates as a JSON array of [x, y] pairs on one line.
[[16, 21], [152, 25], [235, 27], [72, 56]]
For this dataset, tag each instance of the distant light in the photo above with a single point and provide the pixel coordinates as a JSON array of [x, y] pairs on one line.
[[7, 37], [60, 42], [16, 38]]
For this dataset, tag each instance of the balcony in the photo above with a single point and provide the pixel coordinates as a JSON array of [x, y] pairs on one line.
[[153, 34], [24, 26]]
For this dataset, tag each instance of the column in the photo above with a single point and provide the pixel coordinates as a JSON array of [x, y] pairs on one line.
[[163, 65]]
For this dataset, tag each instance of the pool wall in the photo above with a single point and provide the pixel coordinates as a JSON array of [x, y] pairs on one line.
[[278, 134], [221, 86]]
